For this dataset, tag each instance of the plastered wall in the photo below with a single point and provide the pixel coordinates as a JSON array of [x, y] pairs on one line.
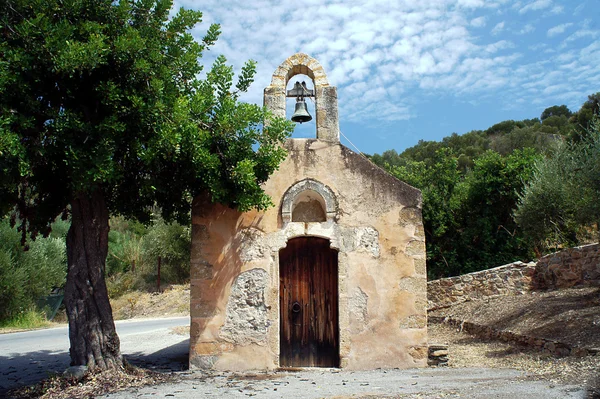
[[372, 220]]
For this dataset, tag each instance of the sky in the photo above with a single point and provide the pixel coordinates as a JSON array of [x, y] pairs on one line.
[[410, 70]]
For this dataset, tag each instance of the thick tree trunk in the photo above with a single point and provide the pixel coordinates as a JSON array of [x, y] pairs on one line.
[[94, 340]]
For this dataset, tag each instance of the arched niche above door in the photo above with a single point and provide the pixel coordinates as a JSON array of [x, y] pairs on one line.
[[308, 201]]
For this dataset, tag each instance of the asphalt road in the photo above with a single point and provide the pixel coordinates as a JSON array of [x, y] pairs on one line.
[[28, 357]]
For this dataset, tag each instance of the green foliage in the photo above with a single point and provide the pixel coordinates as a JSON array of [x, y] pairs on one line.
[[487, 234], [26, 319], [26, 276], [563, 197], [171, 242], [104, 96], [124, 252], [556, 110], [582, 119], [468, 216], [134, 250], [504, 127], [527, 137]]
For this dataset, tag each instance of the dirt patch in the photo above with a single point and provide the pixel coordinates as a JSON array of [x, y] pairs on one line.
[[181, 330], [468, 351], [173, 301], [570, 316]]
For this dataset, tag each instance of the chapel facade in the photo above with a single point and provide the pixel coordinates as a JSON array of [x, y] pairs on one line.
[[333, 275]]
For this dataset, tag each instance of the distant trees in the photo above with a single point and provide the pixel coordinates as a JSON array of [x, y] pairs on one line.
[[556, 110], [27, 276], [583, 118], [562, 200], [472, 185]]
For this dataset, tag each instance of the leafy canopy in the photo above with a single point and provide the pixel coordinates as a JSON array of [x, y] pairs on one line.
[[102, 95], [543, 171], [563, 197]]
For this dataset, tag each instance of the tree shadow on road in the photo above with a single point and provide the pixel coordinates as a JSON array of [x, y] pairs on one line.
[[170, 359], [32, 367]]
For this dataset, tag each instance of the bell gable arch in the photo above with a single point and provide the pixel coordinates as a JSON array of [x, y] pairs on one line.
[[326, 107]]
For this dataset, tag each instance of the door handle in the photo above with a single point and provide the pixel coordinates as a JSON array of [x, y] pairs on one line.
[[296, 307]]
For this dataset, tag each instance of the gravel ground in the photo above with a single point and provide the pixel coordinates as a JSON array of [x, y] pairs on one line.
[[416, 383], [466, 350], [477, 369]]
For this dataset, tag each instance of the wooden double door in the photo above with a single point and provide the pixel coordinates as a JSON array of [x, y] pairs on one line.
[[309, 327]]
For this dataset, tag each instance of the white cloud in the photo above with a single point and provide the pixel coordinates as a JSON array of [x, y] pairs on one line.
[[579, 34], [500, 45], [535, 6], [558, 29], [528, 28], [388, 53], [498, 28], [478, 22], [578, 9]]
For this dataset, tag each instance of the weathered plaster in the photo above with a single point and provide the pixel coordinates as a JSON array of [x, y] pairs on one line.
[[376, 228], [246, 314], [372, 219]]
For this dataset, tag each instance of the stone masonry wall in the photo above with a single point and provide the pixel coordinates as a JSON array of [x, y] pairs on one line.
[[513, 278], [567, 268]]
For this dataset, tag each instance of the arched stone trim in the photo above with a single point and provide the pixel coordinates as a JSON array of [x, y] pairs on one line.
[[287, 203], [299, 64], [326, 107]]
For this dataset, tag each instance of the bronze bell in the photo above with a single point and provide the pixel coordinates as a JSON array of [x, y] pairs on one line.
[[301, 112]]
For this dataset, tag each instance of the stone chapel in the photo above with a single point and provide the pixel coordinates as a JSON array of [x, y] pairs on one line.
[[333, 276]]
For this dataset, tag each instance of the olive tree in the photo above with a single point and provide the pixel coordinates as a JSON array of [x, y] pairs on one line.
[[564, 194], [102, 112]]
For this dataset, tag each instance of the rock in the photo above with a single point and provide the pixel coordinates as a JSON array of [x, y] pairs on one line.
[[435, 347], [439, 353], [76, 372]]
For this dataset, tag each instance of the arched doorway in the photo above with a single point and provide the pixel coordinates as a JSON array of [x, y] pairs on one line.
[[308, 294]]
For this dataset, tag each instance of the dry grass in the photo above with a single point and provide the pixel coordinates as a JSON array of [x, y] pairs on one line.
[[571, 316], [173, 301], [468, 351]]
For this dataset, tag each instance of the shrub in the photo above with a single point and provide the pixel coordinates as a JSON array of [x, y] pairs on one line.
[[26, 276]]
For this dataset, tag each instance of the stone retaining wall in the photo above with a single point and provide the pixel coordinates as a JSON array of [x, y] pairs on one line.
[[568, 268], [564, 269], [514, 278]]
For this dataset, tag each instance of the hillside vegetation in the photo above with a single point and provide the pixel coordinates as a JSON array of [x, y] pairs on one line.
[[514, 191], [511, 192], [31, 273]]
